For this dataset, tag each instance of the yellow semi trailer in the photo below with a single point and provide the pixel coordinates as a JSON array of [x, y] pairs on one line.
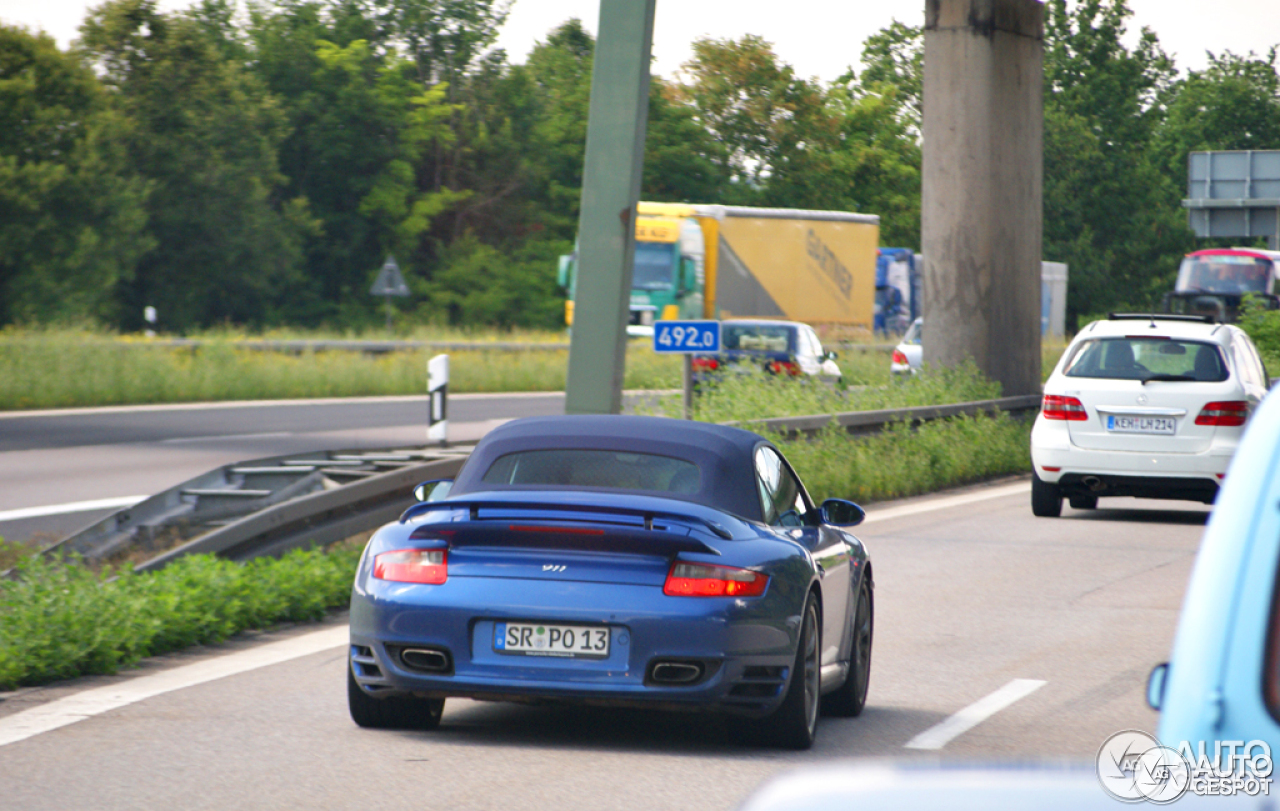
[[712, 261]]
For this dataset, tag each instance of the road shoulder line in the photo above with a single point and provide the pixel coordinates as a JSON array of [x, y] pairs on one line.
[[95, 701]]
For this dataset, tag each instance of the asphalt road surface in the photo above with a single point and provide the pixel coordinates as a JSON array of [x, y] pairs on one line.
[[973, 595], [54, 458]]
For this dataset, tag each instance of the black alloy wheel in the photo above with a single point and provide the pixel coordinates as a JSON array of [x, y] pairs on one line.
[[795, 723]]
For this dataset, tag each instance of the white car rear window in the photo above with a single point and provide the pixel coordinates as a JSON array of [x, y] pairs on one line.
[[1147, 358]]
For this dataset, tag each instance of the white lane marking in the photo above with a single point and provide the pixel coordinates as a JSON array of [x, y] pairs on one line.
[[217, 437], [938, 736], [72, 507], [946, 503], [88, 703]]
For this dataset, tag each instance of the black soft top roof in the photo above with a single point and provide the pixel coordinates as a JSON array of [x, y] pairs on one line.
[[724, 455]]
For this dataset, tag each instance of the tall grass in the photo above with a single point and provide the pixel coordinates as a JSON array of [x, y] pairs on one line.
[[50, 369], [901, 461]]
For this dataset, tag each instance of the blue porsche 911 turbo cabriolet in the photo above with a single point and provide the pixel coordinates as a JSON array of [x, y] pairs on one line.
[[625, 561]]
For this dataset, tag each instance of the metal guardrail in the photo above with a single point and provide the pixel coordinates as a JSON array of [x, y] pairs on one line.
[[317, 519], [870, 422], [267, 507]]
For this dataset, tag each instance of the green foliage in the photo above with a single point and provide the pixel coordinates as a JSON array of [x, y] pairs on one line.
[[61, 620], [203, 132], [60, 369], [1111, 213], [71, 211], [1263, 327], [746, 397], [477, 284], [902, 461], [1232, 104]]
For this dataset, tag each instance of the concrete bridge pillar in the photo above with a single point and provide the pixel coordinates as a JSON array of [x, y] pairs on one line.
[[983, 177]]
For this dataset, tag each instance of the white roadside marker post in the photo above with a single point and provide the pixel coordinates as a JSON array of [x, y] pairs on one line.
[[438, 391]]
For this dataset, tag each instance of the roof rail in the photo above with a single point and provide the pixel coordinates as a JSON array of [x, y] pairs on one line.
[[1195, 319]]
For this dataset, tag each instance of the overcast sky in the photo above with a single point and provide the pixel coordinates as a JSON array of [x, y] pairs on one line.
[[818, 37]]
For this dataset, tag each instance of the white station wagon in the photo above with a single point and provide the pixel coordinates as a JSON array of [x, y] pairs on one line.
[[1144, 405]]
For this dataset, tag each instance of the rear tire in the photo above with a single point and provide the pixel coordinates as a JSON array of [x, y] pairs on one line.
[[1046, 498], [849, 700], [1084, 502], [794, 724], [393, 712]]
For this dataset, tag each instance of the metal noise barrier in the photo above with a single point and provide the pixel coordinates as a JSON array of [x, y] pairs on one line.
[[314, 520], [870, 422]]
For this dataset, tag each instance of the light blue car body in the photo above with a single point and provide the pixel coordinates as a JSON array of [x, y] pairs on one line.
[[1213, 690]]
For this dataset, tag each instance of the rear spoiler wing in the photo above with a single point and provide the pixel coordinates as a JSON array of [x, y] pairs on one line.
[[644, 527]]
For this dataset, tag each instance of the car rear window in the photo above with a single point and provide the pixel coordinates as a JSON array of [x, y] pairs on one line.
[[1147, 358], [758, 337], [595, 468]]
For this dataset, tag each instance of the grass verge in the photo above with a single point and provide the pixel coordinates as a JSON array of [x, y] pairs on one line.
[[69, 369], [60, 620]]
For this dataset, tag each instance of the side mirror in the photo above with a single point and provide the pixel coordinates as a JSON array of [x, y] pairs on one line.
[[841, 513], [1155, 685], [434, 490], [831, 355]]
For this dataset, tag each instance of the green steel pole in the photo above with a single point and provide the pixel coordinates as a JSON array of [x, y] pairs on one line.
[[610, 187]]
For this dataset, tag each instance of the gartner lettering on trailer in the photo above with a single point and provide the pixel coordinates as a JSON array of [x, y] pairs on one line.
[[686, 336], [829, 263]]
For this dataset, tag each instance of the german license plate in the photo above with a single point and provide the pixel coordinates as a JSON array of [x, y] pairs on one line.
[[535, 639], [1141, 425]]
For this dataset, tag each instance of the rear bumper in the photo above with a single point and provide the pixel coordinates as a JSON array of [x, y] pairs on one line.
[[744, 651], [1189, 476]]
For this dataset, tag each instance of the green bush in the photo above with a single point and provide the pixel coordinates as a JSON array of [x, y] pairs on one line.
[[61, 620], [902, 461], [1263, 326]]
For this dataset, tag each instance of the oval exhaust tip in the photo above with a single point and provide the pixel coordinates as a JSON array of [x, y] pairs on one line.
[[425, 659], [676, 672]]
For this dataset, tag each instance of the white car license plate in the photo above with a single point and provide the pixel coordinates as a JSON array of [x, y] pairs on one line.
[[534, 639], [1141, 425]]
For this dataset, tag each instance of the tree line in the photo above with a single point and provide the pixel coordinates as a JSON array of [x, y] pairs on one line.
[[256, 168]]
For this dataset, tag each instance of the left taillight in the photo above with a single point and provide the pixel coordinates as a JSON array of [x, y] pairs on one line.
[[900, 358], [430, 566], [703, 580], [1225, 412], [784, 367]]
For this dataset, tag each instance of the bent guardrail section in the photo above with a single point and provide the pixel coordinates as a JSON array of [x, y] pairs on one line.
[[317, 519]]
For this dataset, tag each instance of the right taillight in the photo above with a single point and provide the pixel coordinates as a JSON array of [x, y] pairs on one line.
[[705, 580], [429, 566], [1225, 412], [900, 358], [1056, 407]]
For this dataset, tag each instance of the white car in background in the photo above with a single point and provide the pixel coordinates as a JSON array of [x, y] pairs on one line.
[[1151, 406], [909, 353]]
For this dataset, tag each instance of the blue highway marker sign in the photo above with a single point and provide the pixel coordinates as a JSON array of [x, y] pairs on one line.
[[685, 337]]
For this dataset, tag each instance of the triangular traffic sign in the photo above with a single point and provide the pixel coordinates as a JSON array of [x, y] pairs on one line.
[[390, 281]]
